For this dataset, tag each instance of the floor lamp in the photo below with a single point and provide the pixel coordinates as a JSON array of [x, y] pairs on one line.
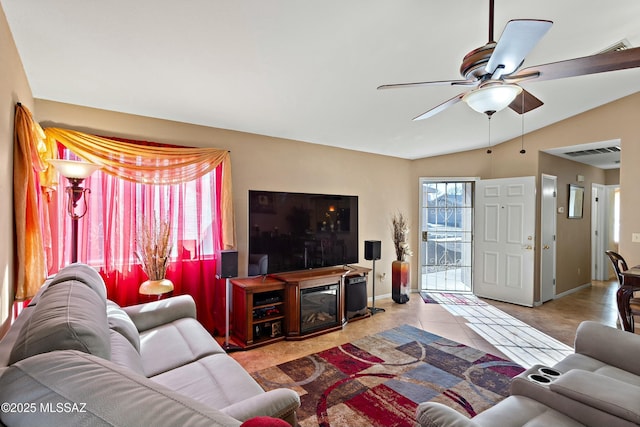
[[75, 172]]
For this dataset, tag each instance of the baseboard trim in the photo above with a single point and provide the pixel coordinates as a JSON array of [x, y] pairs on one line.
[[570, 291], [370, 299]]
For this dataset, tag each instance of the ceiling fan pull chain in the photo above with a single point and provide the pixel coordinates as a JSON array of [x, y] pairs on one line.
[[522, 150], [489, 149]]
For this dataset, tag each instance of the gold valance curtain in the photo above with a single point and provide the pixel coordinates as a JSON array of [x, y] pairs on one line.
[[153, 165]]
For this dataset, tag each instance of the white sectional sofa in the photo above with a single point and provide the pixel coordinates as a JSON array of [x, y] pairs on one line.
[[598, 385], [75, 358]]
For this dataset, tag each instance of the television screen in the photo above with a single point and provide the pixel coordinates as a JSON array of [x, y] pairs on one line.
[[298, 231]]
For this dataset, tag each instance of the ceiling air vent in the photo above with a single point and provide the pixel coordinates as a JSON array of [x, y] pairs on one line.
[[621, 45], [605, 150]]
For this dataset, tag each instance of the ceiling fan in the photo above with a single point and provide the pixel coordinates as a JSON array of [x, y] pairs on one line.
[[494, 69]]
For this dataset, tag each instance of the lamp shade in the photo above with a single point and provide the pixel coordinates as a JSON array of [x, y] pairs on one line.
[[74, 169], [490, 99]]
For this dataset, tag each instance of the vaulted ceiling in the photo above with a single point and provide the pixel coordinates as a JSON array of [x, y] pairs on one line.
[[307, 70]]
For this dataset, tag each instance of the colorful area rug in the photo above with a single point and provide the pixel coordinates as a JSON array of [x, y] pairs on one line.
[[379, 380], [450, 299]]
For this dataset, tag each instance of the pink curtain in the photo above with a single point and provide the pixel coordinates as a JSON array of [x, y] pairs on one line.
[[107, 234]]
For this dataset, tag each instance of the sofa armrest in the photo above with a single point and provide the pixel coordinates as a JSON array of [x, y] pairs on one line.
[[278, 403], [433, 414], [609, 345], [607, 394], [156, 313]]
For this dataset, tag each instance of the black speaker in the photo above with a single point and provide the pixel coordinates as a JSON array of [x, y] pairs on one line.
[[227, 264], [355, 296], [371, 249]]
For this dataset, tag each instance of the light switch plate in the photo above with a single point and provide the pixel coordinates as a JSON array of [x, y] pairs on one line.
[[635, 237]]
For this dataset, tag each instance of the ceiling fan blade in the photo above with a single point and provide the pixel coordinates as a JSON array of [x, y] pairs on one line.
[[599, 63], [521, 76], [525, 102], [441, 107], [518, 39], [435, 83]]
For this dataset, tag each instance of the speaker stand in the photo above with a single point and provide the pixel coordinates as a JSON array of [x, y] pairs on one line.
[[227, 346], [373, 309]]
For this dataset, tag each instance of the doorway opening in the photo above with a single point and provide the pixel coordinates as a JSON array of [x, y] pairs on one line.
[[605, 228], [446, 230]]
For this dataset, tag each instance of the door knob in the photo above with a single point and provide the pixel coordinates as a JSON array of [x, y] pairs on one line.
[[546, 247]]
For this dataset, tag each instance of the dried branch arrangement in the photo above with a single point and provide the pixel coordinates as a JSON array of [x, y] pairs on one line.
[[154, 248], [400, 234]]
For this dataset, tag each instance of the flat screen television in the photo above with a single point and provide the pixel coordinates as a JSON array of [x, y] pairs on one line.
[[298, 231]]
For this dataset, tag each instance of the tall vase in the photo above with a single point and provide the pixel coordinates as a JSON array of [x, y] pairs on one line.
[[400, 281]]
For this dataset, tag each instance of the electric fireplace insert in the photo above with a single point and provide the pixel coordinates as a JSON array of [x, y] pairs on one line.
[[319, 308]]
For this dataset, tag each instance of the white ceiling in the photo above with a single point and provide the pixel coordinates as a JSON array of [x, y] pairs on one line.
[[308, 70]]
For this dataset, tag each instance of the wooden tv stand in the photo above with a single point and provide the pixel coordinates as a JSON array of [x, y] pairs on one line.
[[267, 309]]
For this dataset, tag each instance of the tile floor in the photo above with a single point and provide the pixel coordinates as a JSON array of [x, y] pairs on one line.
[[511, 337], [526, 335]]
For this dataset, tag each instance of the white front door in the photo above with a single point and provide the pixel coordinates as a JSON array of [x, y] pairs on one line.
[[505, 239]]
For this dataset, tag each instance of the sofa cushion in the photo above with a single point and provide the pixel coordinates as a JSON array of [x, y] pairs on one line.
[[121, 323], [609, 345], [579, 361], [435, 414], [586, 363], [216, 380], [280, 403], [220, 382], [8, 341], [96, 392], [619, 374], [514, 411], [124, 354], [84, 274], [68, 316], [517, 411], [175, 344], [43, 288], [604, 393], [157, 313]]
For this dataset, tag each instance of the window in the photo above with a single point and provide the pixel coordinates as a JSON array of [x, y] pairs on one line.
[[116, 209]]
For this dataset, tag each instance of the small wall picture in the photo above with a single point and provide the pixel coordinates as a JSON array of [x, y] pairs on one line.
[[576, 201]]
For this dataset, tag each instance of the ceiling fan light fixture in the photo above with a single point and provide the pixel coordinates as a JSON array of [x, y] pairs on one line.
[[491, 99]]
